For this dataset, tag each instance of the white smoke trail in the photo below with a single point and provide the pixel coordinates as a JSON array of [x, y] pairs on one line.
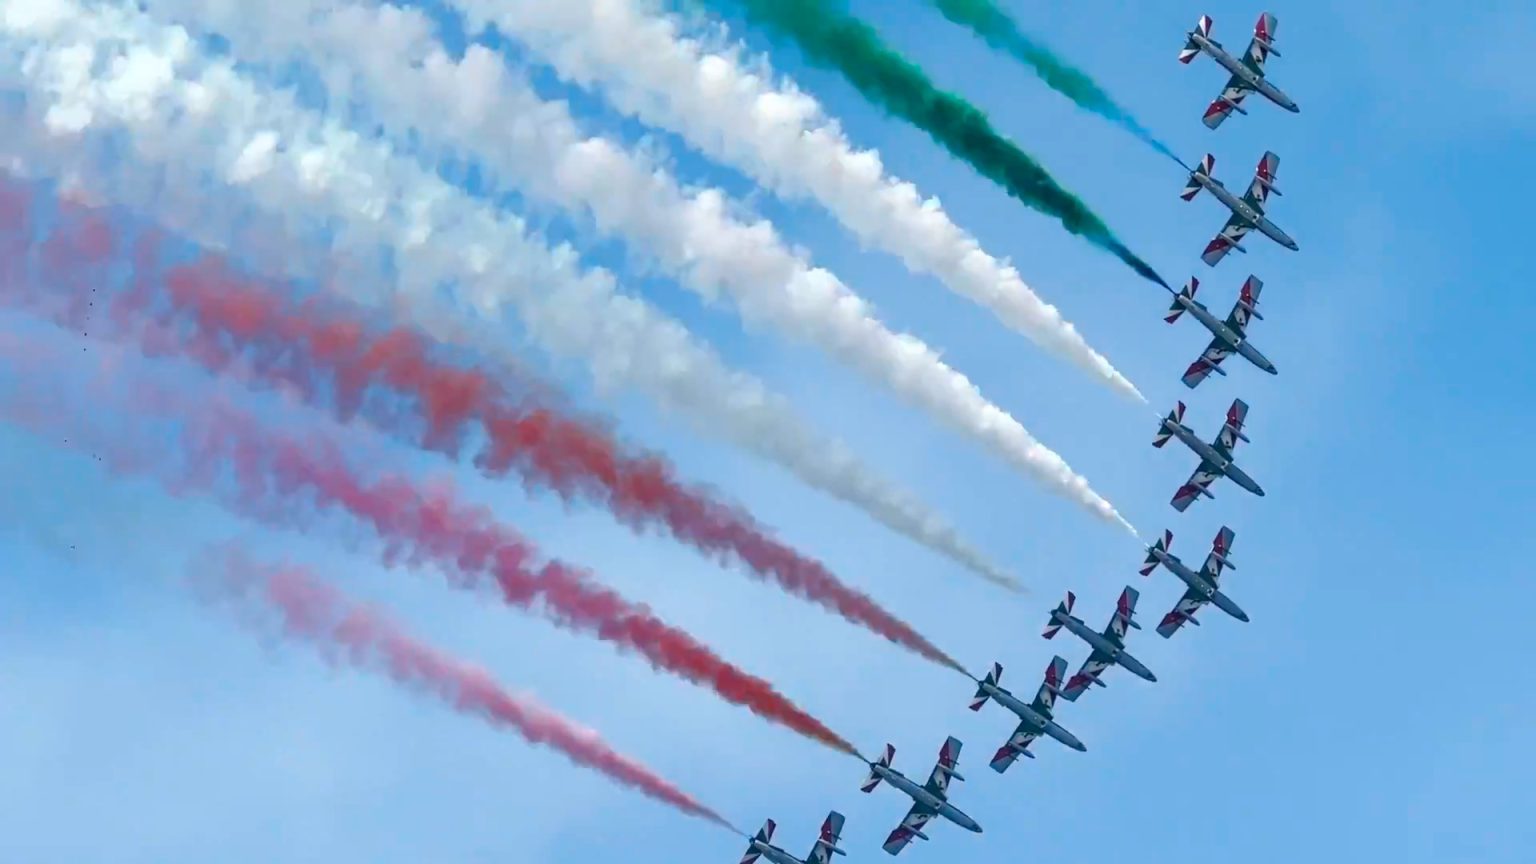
[[94, 77], [779, 136], [388, 58]]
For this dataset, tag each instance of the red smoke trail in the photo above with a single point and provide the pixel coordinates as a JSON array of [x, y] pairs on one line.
[[349, 633], [281, 476], [222, 318]]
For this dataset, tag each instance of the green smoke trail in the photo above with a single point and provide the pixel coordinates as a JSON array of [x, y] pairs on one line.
[[834, 40], [993, 25]]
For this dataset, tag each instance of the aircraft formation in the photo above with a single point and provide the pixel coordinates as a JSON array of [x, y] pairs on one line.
[[931, 800]]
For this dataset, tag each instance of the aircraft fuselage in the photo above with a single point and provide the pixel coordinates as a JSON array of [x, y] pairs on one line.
[[1211, 456], [920, 795], [1199, 584], [1246, 212], [1233, 339], [774, 853], [1027, 714], [1253, 79], [1096, 641]]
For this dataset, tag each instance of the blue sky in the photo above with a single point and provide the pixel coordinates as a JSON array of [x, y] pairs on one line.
[[1377, 705]]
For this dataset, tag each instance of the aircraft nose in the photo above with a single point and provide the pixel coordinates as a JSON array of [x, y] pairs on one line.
[[976, 827], [1241, 616], [1258, 490]]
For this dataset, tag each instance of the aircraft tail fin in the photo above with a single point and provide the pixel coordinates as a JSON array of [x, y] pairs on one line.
[[1152, 560], [994, 675], [1165, 428], [1193, 186], [1063, 608], [884, 761], [1191, 48], [1176, 311]]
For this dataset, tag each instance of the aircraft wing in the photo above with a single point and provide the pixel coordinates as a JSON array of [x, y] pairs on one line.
[[1263, 42], [1231, 234], [1263, 181], [1120, 621], [1091, 669], [1232, 430], [1247, 301], [831, 831], [1199, 481], [914, 821], [1221, 547], [1018, 742], [1214, 353], [949, 761], [1231, 96], [1182, 611]]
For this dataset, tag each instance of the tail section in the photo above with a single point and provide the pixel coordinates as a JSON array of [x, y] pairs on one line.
[[1165, 428], [1063, 608], [1152, 559], [1193, 186], [884, 761], [764, 835], [1176, 311], [1191, 48], [993, 677], [826, 844]]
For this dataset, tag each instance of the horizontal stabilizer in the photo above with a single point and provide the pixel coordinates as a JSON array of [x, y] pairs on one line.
[[1191, 48], [1176, 311], [884, 761], [994, 676], [1164, 429], [1063, 609], [1153, 559]]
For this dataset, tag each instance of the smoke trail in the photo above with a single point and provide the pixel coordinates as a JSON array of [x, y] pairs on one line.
[[1003, 34], [348, 633], [477, 109], [290, 478], [833, 39], [780, 137], [221, 319], [228, 165]]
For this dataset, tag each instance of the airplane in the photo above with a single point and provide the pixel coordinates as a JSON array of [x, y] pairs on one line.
[[1215, 457], [1108, 647], [1230, 336], [928, 800], [1247, 211], [821, 853], [1247, 73], [1203, 586], [1034, 717]]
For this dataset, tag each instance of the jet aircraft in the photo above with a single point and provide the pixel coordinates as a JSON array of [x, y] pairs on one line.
[[1229, 337], [1108, 647], [928, 800], [1247, 73], [1247, 211], [1215, 457], [1034, 717], [1203, 587], [821, 853]]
